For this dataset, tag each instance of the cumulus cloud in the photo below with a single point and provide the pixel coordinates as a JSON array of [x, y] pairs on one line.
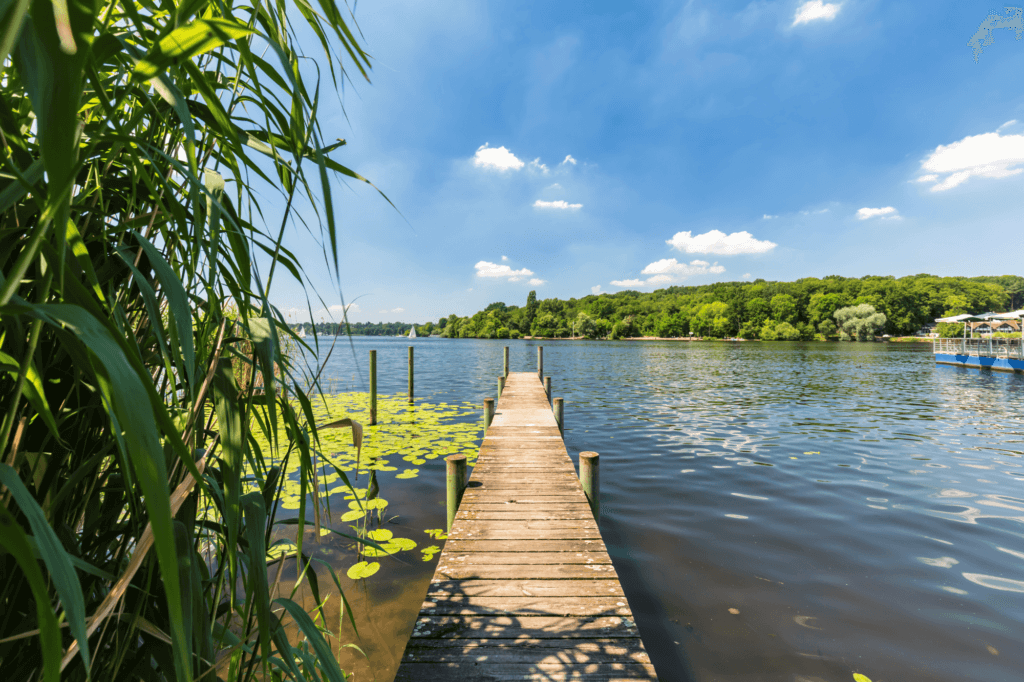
[[554, 186], [485, 269], [816, 10], [718, 242], [504, 258], [537, 282], [394, 310], [595, 290], [887, 213], [671, 269], [538, 166], [989, 155], [559, 205], [499, 159], [568, 159], [629, 283], [769, 217], [746, 275]]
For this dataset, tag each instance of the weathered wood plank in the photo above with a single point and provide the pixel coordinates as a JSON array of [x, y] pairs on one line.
[[456, 545], [456, 571], [523, 627], [527, 606], [468, 671], [523, 588], [505, 558]]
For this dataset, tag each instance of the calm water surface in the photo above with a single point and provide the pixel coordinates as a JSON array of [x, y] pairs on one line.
[[791, 512]]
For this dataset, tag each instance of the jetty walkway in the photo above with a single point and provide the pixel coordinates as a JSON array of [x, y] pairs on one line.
[[524, 588]]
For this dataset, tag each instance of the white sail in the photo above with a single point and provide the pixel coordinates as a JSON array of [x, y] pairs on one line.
[[412, 332]]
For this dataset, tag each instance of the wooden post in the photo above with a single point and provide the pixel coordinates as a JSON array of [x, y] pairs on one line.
[[547, 388], [501, 385], [373, 387], [455, 468], [488, 412], [559, 415], [506, 360], [410, 374], [540, 362], [590, 479]]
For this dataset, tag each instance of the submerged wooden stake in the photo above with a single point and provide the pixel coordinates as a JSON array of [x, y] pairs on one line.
[[540, 362], [506, 361], [455, 468], [410, 374], [590, 479], [559, 414], [373, 387], [488, 413], [547, 388]]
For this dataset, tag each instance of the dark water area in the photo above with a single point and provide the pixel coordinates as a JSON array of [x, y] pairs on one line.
[[776, 511]]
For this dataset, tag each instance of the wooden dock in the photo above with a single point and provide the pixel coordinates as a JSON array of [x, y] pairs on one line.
[[524, 588]]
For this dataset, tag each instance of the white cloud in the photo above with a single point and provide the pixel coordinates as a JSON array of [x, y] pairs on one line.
[[1006, 125], [746, 275], [554, 186], [668, 270], [504, 258], [769, 217], [629, 283], [568, 159], [595, 290], [718, 242], [499, 159], [394, 310], [887, 213], [537, 165], [537, 282], [815, 10], [989, 155], [485, 269], [559, 204], [818, 212]]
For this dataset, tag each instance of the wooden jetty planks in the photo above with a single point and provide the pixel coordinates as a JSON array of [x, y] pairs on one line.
[[524, 588]]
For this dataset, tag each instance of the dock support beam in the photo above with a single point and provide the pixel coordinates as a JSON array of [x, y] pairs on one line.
[[410, 374], [547, 388], [560, 415], [373, 388], [590, 479], [501, 385], [506, 362], [455, 468], [540, 363], [488, 413]]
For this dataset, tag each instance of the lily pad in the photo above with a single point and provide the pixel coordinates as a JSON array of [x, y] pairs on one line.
[[365, 569], [409, 473], [380, 535]]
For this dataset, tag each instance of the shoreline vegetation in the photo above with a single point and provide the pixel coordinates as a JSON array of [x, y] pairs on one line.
[[143, 464], [807, 309]]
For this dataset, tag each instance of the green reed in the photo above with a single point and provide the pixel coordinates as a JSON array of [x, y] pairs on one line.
[[137, 342]]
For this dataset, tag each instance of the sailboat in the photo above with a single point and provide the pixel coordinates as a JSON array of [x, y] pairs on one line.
[[412, 332]]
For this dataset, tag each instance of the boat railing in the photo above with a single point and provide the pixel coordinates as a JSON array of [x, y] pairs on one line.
[[988, 347]]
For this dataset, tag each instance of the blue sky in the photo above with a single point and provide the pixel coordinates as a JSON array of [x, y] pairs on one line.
[[567, 146]]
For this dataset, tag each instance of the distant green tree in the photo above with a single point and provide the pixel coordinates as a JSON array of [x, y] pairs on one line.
[[859, 322], [783, 308]]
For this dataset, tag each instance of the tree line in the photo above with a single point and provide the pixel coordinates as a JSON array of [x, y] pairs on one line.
[[802, 310]]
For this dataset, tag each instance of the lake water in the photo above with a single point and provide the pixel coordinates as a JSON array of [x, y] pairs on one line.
[[776, 511]]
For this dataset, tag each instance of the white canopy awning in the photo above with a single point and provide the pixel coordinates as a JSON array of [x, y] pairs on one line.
[[962, 318]]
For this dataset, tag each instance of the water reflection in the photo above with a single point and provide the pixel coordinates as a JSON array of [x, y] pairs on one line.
[[828, 493]]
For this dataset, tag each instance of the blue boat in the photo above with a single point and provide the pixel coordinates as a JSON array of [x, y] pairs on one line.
[[1003, 354]]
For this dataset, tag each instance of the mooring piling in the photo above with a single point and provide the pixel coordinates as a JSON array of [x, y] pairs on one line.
[[506, 361], [540, 362], [488, 412], [590, 479], [373, 388], [559, 415], [547, 388], [501, 385], [455, 469], [410, 374]]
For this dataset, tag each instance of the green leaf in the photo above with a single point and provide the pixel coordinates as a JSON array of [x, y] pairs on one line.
[[861, 678], [362, 570], [14, 540], [190, 40], [325, 657], [380, 535], [254, 508], [353, 515]]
